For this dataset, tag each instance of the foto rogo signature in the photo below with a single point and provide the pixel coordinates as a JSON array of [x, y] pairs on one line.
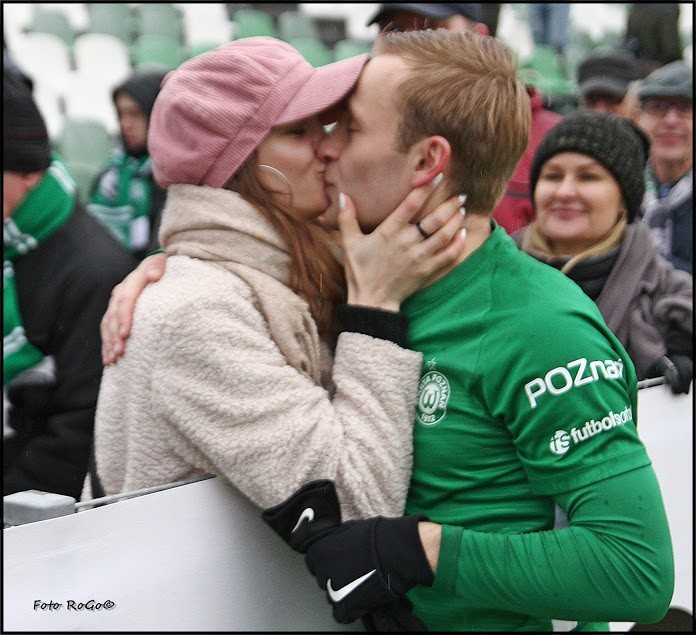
[[72, 605]]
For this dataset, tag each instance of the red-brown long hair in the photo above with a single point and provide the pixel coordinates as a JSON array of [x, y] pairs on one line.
[[315, 272]]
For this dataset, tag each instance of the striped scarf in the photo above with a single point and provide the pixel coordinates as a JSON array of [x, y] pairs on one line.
[[40, 213], [658, 205], [122, 199]]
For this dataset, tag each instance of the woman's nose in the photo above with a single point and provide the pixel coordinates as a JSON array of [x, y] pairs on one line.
[[566, 187]]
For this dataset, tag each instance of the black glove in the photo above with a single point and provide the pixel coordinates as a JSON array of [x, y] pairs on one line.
[[678, 370], [397, 616], [369, 564], [311, 513], [308, 514]]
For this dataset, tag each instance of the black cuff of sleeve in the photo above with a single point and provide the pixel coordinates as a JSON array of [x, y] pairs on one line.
[[385, 325]]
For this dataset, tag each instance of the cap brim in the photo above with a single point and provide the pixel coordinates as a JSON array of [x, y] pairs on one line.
[[606, 85], [327, 86], [665, 91], [435, 11]]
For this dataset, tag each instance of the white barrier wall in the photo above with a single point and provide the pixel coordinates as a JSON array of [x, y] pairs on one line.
[[193, 558], [199, 557]]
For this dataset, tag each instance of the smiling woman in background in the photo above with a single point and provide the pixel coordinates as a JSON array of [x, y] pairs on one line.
[[587, 180]]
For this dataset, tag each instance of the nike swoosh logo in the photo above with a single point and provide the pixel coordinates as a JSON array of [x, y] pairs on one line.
[[338, 595], [307, 514]]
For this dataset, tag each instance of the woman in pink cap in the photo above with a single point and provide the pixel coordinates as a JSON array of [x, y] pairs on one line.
[[235, 365]]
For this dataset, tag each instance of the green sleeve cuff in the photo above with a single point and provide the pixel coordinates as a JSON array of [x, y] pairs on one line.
[[448, 559]]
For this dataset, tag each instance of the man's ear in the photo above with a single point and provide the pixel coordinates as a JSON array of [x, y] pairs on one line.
[[432, 155]]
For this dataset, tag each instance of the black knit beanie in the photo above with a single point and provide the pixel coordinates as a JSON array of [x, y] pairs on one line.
[[26, 147], [143, 86], [609, 139]]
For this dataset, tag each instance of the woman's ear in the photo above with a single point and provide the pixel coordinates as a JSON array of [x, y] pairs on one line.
[[431, 157]]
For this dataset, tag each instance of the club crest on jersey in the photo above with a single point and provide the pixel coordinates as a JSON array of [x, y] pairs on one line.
[[433, 395]]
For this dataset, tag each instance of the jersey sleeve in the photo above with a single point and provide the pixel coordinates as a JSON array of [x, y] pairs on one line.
[[614, 562], [568, 397]]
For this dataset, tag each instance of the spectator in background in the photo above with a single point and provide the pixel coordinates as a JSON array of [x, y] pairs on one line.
[[550, 24], [666, 116], [395, 16], [652, 34], [59, 268], [605, 84], [127, 200], [588, 183], [490, 12], [514, 210]]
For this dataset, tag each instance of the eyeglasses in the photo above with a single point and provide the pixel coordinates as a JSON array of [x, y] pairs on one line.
[[594, 99], [660, 107]]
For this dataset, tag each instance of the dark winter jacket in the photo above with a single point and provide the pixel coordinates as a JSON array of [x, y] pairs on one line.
[[682, 256], [652, 34], [63, 288]]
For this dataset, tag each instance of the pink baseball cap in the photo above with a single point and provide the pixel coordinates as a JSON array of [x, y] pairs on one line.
[[215, 109]]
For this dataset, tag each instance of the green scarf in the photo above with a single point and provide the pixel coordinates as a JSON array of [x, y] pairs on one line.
[[40, 213], [122, 199]]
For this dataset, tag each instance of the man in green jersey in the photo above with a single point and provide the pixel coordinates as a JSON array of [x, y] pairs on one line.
[[527, 401]]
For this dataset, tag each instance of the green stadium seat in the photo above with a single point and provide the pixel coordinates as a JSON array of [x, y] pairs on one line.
[[295, 24], [313, 50], [543, 69], [249, 23], [53, 22], [160, 19], [157, 49], [112, 19], [544, 59], [85, 141], [349, 48], [548, 86]]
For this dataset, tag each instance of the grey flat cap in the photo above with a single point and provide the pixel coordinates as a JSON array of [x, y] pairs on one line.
[[672, 80]]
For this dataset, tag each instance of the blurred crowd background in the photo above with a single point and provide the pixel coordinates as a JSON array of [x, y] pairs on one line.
[[77, 53]]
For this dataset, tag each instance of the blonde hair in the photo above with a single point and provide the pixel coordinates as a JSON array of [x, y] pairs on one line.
[[315, 272], [464, 87]]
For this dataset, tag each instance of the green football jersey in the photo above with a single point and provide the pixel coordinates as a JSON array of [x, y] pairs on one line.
[[525, 393]]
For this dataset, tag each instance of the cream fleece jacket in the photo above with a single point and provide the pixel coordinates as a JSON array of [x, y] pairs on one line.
[[225, 373]]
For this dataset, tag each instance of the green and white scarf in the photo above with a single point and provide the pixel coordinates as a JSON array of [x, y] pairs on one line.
[[122, 199], [42, 211]]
